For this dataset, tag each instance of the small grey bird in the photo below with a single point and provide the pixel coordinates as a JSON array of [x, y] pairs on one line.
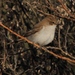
[[43, 32]]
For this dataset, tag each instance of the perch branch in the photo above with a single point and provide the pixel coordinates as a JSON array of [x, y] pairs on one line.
[[43, 48]]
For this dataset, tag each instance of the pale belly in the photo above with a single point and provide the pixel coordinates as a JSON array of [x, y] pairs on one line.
[[44, 36]]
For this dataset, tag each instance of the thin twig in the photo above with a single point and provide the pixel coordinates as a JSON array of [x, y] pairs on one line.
[[59, 43], [63, 52], [65, 45]]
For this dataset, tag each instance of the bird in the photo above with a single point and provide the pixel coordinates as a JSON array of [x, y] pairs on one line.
[[43, 32]]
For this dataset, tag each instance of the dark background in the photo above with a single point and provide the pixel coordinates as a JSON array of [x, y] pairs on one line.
[[17, 57]]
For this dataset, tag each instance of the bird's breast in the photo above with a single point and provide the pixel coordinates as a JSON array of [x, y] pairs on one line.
[[44, 36]]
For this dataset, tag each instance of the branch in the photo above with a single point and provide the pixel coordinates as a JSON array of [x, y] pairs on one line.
[[43, 48]]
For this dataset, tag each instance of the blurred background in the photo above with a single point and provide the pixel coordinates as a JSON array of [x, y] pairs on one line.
[[17, 57]]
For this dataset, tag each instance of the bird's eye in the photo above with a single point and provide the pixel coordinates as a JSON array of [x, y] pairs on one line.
[[53, 22]]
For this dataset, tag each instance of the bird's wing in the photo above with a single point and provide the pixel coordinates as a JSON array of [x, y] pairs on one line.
[[34, 30]]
